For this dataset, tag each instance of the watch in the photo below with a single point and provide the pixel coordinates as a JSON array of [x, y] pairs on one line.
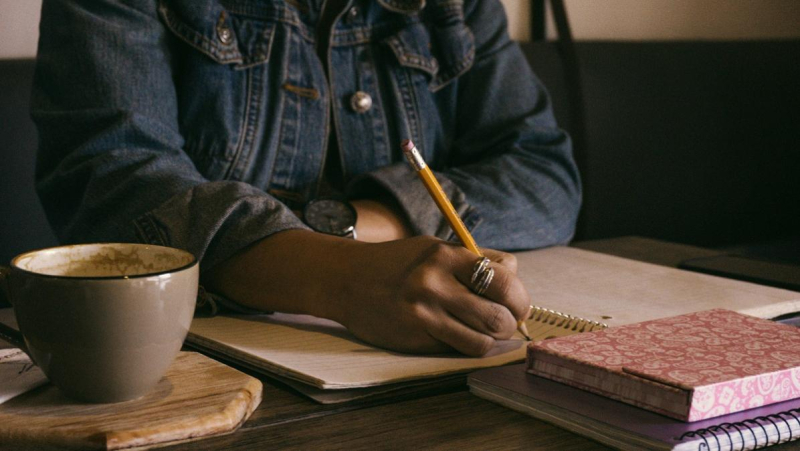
[[331, 216]]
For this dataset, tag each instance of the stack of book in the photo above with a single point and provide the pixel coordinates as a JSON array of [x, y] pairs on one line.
[[708, 380]]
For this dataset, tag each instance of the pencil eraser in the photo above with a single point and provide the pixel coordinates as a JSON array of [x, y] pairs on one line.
[[412, 155]]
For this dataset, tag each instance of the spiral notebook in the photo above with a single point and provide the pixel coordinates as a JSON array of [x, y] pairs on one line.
[[575, 291], [630, 428]]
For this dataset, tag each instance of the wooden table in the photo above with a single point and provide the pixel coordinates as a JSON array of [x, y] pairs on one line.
[[445, 417], [442, 418]]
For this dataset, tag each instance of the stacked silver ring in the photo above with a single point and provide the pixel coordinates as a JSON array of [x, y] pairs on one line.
[[482, 276]]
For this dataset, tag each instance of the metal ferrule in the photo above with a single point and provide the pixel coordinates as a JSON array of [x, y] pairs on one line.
[[415, 159]]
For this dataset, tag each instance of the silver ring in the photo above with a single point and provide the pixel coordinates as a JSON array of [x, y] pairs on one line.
[[478, 268], [484, 281], [482, 276]]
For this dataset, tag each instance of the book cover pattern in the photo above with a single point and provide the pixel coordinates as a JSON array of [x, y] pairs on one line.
[[727, 362]]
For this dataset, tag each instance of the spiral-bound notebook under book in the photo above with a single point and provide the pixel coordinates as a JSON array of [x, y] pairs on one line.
[[591, 290], [630, 428]]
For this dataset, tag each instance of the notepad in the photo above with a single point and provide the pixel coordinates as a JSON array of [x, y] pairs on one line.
[[690, 367], [575, 291]]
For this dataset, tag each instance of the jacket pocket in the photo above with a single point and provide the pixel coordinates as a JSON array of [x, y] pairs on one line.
[[225, 38], [219, 60], [442, 48]]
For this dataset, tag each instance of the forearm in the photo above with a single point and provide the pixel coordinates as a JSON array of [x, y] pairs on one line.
[[294, 271]]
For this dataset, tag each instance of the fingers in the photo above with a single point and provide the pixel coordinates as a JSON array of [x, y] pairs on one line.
[[462, 319], [482, 315], [467, 341], [502, 258], [504, 289]]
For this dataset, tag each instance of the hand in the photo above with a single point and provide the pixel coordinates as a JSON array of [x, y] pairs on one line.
[[414, 295], [409, 295]]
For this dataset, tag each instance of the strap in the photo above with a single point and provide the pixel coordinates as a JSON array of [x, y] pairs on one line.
[[538, 21], [572, 77]]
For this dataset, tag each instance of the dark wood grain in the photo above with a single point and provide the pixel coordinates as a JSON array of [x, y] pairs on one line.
[[451, 421]]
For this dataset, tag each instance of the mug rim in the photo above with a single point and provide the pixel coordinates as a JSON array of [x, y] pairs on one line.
[[192, 263]]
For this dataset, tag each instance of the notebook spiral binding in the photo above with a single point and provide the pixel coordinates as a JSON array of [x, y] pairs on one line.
[[749, 430], [564, 321]]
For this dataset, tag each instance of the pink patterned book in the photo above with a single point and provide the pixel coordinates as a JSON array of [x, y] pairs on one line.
[[690, 367]]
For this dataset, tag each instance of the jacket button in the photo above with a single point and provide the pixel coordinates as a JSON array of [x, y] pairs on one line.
[[224, 32], [352, 14], [225, 35], [361, 102]]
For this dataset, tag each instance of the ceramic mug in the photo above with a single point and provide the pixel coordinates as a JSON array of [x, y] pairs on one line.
[[103, 321]]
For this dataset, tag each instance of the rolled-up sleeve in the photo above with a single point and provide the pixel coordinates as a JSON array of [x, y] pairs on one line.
[[110, 164]]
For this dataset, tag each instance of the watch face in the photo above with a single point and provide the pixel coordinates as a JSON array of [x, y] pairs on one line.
[[330, 216]]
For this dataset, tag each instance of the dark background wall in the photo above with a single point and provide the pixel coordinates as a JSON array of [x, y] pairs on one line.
[[23, 225], [694, 142]]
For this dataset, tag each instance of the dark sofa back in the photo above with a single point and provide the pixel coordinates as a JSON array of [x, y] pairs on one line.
[[694, 142], [23, 225]]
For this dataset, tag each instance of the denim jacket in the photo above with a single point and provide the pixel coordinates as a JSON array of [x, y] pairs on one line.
[[200, 124]]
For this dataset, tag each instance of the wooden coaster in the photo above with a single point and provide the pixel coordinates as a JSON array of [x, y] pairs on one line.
[[199, 397]]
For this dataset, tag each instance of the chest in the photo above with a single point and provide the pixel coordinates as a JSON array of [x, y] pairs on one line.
[[256, 104]]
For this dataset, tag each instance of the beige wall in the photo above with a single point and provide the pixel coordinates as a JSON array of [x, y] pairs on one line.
[[670, 19], [591, 19], [19, 28]]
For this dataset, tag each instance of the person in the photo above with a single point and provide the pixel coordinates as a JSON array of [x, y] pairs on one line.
[[210, 125]]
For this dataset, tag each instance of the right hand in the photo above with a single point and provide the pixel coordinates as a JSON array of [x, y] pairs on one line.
[[414, 295]]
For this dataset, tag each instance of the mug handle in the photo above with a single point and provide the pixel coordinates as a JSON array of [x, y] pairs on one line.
[[8, 333], [5, 293]]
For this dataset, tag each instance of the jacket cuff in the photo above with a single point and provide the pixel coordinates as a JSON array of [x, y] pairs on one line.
[[215, 220], [421, 211]]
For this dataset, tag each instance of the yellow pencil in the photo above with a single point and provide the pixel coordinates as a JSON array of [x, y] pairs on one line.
[[438, 195]]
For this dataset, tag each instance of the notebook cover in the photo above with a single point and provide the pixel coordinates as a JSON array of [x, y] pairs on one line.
[[622, 425], [691, 367]]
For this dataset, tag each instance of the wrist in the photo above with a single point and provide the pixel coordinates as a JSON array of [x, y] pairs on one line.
[[379, 221]]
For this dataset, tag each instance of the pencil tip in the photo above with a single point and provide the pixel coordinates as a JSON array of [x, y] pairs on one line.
[[523, 329]]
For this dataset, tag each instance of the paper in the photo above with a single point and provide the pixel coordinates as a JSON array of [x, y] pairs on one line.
[[581, 283], [619, 291], [17, 374], [323, 354]]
